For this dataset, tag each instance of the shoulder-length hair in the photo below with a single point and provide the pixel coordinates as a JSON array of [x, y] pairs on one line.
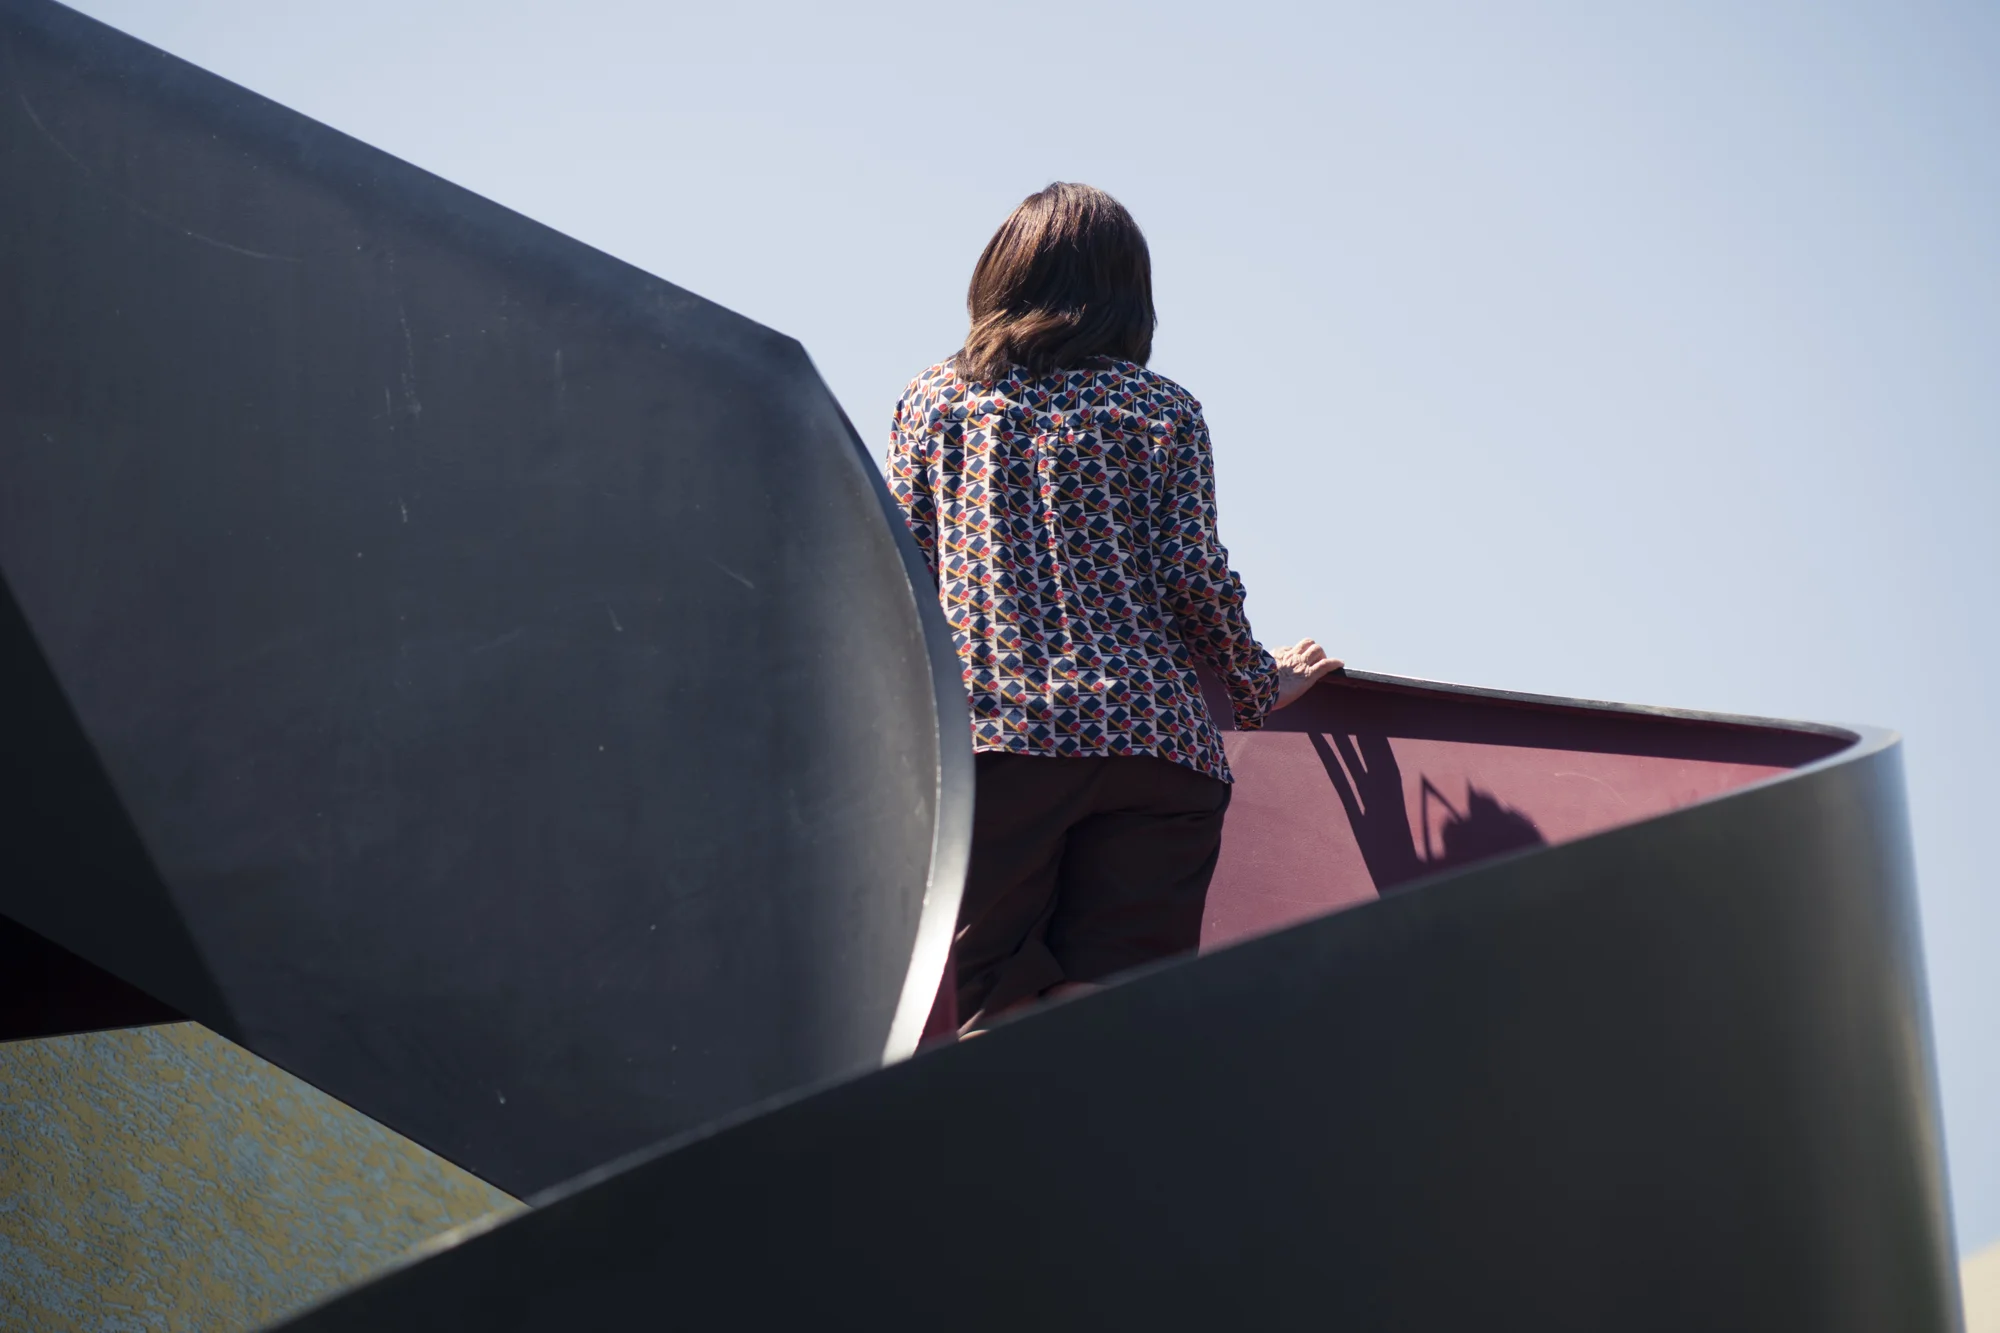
[[1066, 278]]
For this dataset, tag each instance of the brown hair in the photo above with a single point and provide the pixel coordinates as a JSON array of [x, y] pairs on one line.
[[1065, 279]]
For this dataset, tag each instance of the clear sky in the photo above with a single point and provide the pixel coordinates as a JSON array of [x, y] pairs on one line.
[[1641, 352]]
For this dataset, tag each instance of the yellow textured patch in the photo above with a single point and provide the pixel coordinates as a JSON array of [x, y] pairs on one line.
[[164, 1178]]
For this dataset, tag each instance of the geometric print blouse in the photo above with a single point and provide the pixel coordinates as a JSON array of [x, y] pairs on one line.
[[1069, 520]]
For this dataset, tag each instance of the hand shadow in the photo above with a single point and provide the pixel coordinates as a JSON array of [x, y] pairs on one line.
[[1369, 782]]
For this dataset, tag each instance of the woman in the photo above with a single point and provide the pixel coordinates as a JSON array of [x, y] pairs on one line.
[[1064, 496]]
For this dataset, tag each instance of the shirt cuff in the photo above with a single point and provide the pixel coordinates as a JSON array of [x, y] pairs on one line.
[[1252, 692]]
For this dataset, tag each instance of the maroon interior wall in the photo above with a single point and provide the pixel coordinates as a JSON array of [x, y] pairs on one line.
[[1362, 787]]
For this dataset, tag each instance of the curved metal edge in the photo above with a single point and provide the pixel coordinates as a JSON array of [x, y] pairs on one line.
[[1922, 1035], [951, 842], [1522, 698]]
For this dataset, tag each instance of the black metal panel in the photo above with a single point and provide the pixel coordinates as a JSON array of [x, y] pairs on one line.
[[1673, 1076], [489, 686]]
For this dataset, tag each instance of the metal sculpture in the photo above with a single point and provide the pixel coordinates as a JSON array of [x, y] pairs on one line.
[[489, 682]]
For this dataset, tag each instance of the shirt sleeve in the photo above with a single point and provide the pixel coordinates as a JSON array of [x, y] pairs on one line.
[[912, 483], [1198, 588]]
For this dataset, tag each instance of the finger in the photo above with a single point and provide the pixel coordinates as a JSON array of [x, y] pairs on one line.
[[1302, 645], [1324, 667], [1313, 654]]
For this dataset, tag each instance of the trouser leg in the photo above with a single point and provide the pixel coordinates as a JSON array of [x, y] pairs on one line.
[[1135, 872], [1022, 809], [1081, 868]]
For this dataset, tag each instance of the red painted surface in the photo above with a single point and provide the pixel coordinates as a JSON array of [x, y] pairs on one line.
[[1360, 788]]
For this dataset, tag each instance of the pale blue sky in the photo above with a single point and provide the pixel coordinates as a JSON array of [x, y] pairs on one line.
[[1642, 352]]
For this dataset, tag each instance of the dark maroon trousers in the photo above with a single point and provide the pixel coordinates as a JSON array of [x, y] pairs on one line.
[[1081, 869]]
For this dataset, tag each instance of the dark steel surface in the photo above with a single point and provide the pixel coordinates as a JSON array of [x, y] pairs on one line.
[[1674, 1075], [476, 675]]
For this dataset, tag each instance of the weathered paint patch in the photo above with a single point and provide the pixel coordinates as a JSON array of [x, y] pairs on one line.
[[165, 1178]]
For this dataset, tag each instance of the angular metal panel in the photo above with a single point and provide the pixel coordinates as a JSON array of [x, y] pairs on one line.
[[480, 677]]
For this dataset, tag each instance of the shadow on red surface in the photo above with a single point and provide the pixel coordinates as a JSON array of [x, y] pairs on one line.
[[1370, 783]]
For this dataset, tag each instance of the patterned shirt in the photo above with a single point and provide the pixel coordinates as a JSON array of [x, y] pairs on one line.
[[1069, 520]]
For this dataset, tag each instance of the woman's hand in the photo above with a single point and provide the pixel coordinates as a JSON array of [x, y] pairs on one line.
[[1300, 667]]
